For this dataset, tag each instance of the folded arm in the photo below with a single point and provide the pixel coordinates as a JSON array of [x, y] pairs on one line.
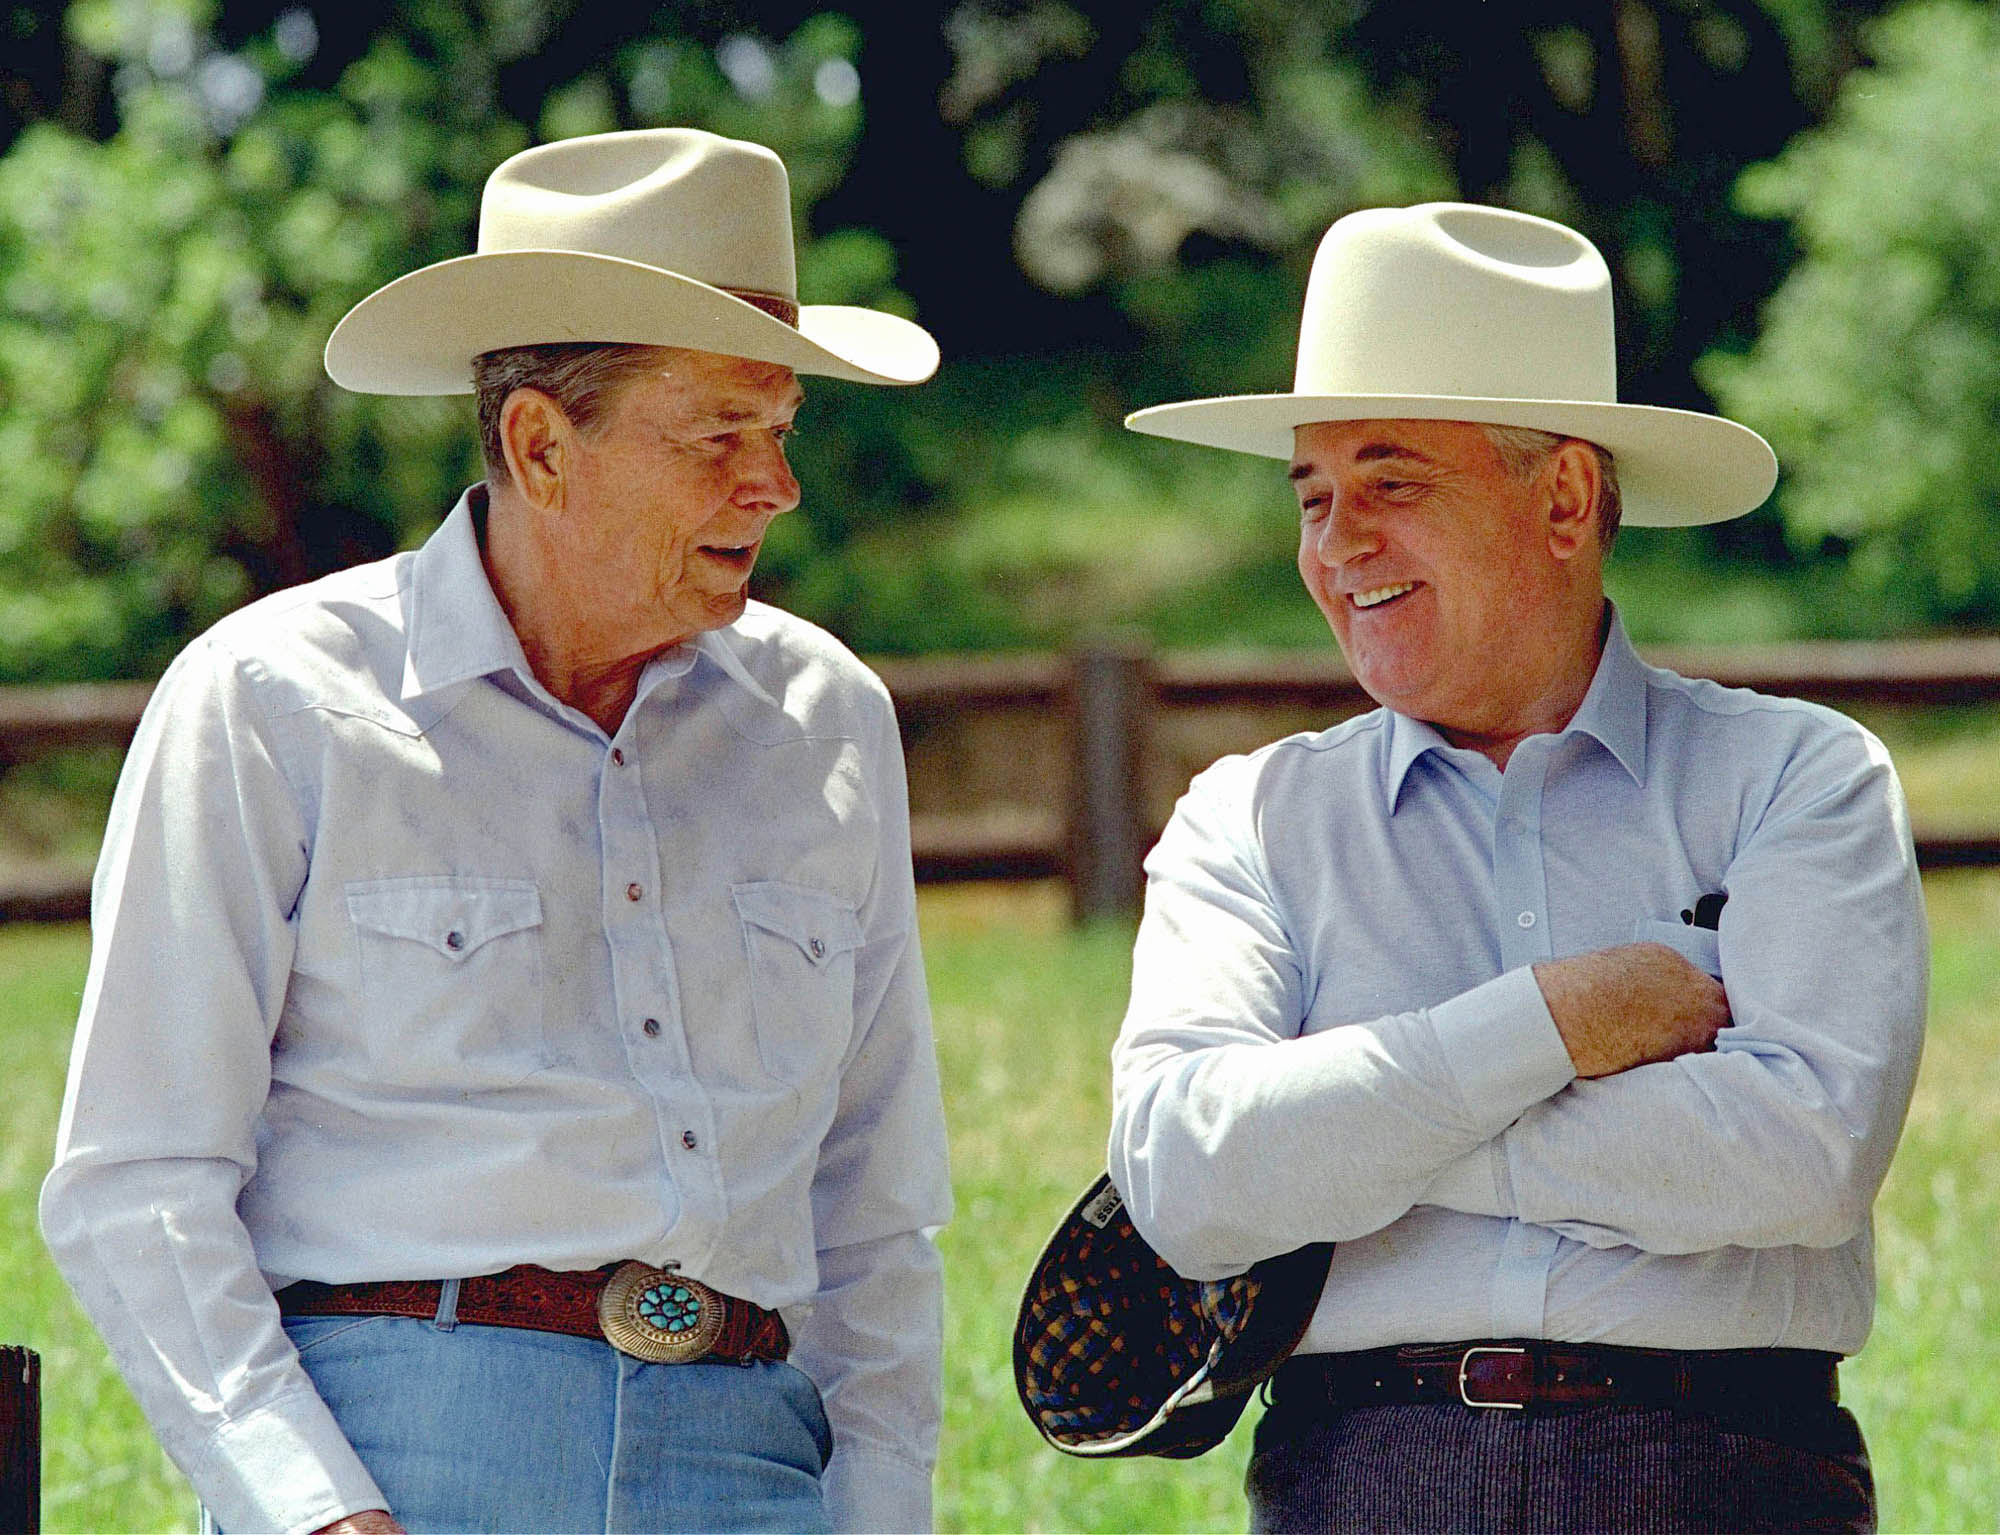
[[1782, 1135], [1233, 1136]]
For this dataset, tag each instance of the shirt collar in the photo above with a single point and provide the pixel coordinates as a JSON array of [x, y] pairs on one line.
[[457, 628], [459, 631], [1613, 713]]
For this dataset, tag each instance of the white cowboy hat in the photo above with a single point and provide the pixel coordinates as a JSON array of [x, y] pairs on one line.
[[666, 237], [1455, 312]]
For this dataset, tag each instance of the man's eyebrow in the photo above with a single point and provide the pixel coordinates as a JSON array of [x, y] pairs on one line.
[[735, 415], [1372, 452], [1368, 453]]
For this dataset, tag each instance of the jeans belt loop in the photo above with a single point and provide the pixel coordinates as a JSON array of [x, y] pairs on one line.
[[447, 1312]]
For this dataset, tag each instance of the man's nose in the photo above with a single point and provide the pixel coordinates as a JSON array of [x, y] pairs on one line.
[[1348, 531], [765, 482]]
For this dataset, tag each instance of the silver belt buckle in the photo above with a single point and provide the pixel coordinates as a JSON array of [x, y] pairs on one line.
[[1465, 1361], [659, 1316]]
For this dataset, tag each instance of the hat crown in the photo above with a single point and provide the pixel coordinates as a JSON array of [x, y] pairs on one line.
[[714, 209], [1460, 300]]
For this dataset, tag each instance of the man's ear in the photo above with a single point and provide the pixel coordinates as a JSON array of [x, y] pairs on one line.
[[1575, 481], [539, 441]]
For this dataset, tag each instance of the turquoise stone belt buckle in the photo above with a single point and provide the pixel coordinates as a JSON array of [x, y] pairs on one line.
[[659, 1316]]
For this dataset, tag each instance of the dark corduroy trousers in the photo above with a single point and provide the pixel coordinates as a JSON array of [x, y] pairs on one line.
[[1453, 1468]]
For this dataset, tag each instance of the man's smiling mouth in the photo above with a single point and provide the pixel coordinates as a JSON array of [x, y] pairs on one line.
[[1375, 597]]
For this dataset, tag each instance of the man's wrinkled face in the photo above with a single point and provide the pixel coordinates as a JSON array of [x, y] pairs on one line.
[[1432, 564], [680, 480]]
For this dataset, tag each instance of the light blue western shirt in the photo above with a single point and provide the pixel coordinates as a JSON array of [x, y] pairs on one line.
[[403, 969], [1335, 1033]]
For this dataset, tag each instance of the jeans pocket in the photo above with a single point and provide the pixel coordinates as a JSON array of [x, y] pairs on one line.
[[451, 977], [800, 943]]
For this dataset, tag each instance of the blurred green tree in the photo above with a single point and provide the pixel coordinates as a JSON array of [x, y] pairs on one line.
[[1877, 372], [1094, 207], [168, 285]]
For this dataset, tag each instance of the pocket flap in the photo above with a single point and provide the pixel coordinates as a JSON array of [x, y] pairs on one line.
[[821, 925], [450, 915], [1699, 946]]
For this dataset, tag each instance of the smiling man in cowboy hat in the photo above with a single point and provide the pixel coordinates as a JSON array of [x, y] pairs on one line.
[[506, 953], [1577, 1003]]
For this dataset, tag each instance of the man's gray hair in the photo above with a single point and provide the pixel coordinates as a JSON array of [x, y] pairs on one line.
[[583, 377], [1523, 450]]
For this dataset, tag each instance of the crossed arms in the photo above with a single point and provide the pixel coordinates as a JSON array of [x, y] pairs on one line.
[[1581, 1094]]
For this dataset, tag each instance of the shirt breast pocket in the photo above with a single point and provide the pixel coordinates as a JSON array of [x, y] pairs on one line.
[[800, 944], [451, 978], [1699, 946]]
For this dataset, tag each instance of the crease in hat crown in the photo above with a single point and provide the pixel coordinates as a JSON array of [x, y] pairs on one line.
[[629, 195], [1460, 312], [659, 236]]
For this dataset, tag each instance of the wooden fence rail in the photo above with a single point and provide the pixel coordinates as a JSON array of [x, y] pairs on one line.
[[1089, 818]]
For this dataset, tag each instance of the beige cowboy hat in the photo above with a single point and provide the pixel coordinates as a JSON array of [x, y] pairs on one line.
[[665, 237], [1455, 312]]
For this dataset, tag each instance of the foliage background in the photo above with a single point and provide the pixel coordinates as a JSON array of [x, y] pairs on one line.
[[1094, 207]]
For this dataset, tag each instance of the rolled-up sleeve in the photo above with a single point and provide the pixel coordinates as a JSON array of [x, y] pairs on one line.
[[203, 859], [873, 1340]]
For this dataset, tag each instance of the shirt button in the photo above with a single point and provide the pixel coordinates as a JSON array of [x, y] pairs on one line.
[[652, 1028], [633, 891], [617, 757], [818, 949], [454, 941], [1526, 919], [688, 1140]]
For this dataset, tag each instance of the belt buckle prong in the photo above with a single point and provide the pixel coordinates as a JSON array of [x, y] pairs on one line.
[[1465, 1363]]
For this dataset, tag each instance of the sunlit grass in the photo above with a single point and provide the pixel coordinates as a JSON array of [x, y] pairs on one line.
[[1026, 1008]]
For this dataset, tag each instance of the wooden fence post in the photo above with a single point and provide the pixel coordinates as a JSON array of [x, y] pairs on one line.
[[20, 1440], [1113, 691]]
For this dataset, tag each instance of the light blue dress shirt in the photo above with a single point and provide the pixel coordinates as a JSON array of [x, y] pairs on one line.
[[404, 969], [1335, 1032]]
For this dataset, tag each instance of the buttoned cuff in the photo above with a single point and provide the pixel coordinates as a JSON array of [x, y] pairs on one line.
[[1502, 1048], [286, 1467], [869, 1490]]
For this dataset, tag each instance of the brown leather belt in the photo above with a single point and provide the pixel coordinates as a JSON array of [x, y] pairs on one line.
[[648, 1313], [1524, 1373]]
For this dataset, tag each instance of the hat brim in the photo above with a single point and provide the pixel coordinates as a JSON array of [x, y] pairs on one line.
[[1676, 468], [419, 334]]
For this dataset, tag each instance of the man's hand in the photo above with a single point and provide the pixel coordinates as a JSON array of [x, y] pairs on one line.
[[370, 1521], [1623, 1007]]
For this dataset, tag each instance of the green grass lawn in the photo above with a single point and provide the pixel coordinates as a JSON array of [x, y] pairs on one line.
[[1026, 1009]]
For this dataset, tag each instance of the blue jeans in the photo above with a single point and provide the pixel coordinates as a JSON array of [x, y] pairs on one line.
[[496, 1428]]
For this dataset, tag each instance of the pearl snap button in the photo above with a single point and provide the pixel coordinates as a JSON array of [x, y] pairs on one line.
[[617, 757], [634, 891], [818, 949], [454, 941], [652, 1028], [688, 1140]]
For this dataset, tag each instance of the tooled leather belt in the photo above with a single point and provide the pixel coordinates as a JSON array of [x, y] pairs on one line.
[[1527, 1373], [651, 1314]]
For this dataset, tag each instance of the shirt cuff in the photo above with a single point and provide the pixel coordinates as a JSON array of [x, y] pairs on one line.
[[868, 1490], [285, 1467], [1502, 1048]]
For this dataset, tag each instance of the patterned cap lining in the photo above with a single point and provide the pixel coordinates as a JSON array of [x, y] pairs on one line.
[[1112, 1332]]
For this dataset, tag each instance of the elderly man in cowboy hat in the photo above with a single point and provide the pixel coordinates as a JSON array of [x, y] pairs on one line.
[[504, 1095], [1577, 1003]]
